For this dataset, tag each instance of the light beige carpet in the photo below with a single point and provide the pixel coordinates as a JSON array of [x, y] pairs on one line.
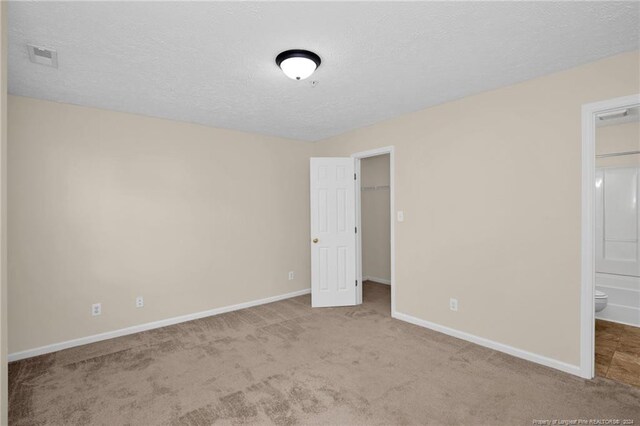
[[286, 363]]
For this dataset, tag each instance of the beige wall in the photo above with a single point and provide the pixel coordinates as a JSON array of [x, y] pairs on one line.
[[3, 215], [376, 248], [490, 187], [106, 206], [618, 138]]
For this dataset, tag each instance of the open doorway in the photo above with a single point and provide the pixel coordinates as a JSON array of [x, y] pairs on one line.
[[610, 313], [617, 247], [375, 236], [336, 230], [376, 230]]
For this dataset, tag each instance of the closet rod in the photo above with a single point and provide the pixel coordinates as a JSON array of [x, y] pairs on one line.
[[617, 154]]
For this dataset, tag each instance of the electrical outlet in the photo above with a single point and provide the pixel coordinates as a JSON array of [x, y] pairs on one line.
[[453, 304], [291, 275], [400, 216], [96, 309], [139, 302]]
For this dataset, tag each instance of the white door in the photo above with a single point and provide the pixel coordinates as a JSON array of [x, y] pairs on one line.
[[333, 233], [617, 220]]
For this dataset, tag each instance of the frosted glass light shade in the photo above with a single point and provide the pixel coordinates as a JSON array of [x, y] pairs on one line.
[[298, 68], [298, 64]]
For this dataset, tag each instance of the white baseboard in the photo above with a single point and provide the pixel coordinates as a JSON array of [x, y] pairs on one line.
[[529, 356], [378, 280], [148, 326]]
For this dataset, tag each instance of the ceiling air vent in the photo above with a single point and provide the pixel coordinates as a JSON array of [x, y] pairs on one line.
[[43, 56]]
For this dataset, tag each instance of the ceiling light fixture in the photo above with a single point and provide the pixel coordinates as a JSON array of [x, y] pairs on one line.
[[298, 64]]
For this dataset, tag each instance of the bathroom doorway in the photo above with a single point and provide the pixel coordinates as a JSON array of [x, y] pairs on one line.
[[617, 248], [375, 228], [610, 338]]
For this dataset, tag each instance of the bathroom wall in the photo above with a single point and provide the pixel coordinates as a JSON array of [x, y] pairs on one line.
[[623, 289], [376, 238], [618, 138]]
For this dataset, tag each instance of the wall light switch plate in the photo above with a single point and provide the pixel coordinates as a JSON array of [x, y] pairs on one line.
[[400, 216]]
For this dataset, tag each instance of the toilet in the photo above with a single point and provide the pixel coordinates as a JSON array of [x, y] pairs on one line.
[[601, 300]]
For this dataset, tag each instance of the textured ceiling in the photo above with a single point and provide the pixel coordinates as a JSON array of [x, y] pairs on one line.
[[213, 63]]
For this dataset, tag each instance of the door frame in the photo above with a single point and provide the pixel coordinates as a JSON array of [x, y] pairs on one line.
[[587, 304], [358, 157]]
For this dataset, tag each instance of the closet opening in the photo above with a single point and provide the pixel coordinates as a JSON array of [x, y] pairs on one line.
[[375, 225]]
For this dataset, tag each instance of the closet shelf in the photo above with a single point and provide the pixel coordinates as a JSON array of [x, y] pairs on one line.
[[375, 188]]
